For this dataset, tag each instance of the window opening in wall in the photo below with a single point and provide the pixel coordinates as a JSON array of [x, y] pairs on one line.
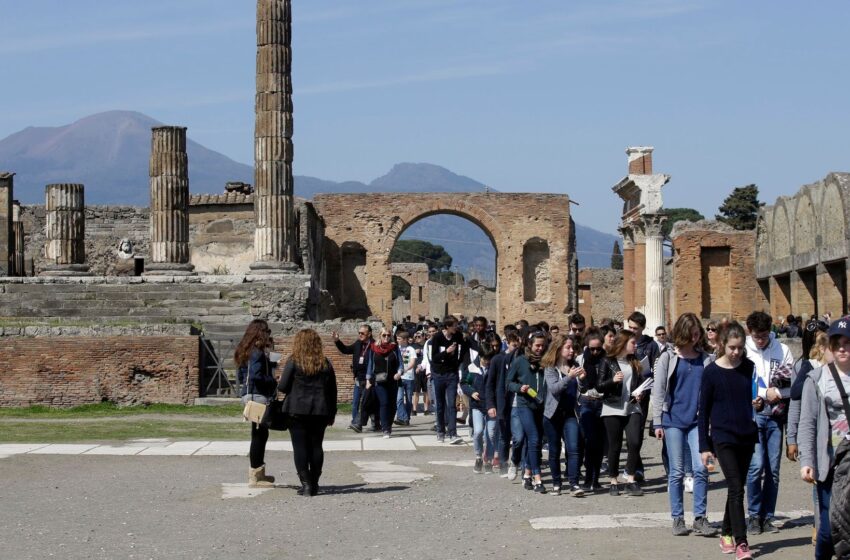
[[536, 271]]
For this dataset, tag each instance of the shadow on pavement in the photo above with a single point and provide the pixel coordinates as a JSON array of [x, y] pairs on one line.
[[784, 544], [360, 489]]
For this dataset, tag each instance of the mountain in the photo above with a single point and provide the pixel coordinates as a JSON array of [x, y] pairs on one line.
[[109, 153]]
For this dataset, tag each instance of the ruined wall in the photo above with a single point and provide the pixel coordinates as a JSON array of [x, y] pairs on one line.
[[361, 230], [713, 271], [600, 294], [452, 300], [71, 371], [802, 249]]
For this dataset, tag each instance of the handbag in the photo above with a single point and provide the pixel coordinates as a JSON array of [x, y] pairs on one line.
[[253, 411], [381, 377], [274, 417]]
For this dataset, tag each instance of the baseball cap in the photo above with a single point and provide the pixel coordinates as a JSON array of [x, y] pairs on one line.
[[840, 327]]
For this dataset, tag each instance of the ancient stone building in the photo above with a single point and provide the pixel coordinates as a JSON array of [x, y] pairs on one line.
[[533, 235], [713, 271], [600, 294], [801, 245]]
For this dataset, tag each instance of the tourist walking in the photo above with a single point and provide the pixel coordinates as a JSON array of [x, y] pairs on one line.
[[404, 399], [621, 412], [258, 384], [590, 408], [823, 438], [361, 356], [473, 385], [560, 420], [448, 351], [499, 400], [527, 380], [675, 408], [309, 383], [383, 376], [727, 430]]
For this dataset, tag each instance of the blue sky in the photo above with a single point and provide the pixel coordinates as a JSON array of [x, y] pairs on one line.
[[523, 96]]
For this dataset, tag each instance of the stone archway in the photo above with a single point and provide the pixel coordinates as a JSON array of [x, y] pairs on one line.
[[376, 221]]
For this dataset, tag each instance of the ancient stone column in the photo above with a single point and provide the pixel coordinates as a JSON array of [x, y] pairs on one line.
[[7, 251], [628, 271], [18, 235], [66, 230], [169, 175], [654, 271], [639, 236], [274, 236]]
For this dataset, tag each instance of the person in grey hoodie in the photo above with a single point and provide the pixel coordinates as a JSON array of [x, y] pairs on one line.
[[772, 361], [823, 426]]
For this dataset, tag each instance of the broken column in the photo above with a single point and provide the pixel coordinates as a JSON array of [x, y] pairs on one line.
[[7, 250], [274, 237], [169, 175], [66, 230], [18, 240]]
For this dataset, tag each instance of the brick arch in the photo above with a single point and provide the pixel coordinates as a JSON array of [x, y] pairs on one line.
[[805, 228], [832, 216], [764, 232], [781, 231]]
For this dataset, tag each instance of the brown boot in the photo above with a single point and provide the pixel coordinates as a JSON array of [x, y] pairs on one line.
[[257, 478]]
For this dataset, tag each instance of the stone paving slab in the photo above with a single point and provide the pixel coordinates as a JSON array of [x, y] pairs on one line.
[[62, 449], [392, 444], [114, 450], [635, 520], [230, 491], [279, 446], [179, 448], [431, 441], [225, 448], [16, 448], [343, 445]]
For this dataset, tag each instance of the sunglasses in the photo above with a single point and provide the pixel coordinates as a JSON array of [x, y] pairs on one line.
[[386, 335], [710, 329], [596, 350]]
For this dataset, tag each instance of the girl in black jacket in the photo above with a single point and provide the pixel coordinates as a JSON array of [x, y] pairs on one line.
[[309, 382]]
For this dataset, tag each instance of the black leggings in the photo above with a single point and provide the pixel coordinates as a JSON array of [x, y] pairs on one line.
[[259, 437], [735, 462], [632, 425], [308, 433]]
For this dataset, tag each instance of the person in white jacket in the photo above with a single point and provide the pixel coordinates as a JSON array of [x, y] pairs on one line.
[[771, 384]]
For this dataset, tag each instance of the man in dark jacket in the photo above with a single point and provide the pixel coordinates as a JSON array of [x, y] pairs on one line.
[[498, 399], [361, 355], [646, 348], [448, 351]]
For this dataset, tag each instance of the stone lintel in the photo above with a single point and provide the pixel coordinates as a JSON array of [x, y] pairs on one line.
[[169, 269], [274, 267], [65, 270]]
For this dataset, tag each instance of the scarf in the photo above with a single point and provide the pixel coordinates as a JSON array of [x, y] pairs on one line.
[[533, 359], [383, 348]]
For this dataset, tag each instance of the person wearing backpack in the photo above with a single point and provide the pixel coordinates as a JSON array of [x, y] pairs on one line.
[[823, 439]]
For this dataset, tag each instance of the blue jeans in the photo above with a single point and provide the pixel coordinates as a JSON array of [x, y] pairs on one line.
[[445, 393], [386, 393], [479, 429], [518, 443], [532, 425], [823, 545], [404, 400], [763, 476], [677, 439], [492, 438], [562, 425], [592, 434], [355, 402]]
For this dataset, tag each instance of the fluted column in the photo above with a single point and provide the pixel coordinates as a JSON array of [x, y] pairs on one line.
[[66, 230], [274, 236], [7, 236], [654, 271], [169, 182], [18, 240]]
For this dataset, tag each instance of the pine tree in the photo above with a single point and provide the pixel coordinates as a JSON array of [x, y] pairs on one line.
[[616, 257], [740, 209], [677, 215]]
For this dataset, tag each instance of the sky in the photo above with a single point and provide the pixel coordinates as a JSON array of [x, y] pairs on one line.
[[539, 96]]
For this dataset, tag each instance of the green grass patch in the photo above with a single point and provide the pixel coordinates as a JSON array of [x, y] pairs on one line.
[[110, 409]]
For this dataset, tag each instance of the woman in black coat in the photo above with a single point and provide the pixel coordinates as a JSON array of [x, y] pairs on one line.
[[309, 382]]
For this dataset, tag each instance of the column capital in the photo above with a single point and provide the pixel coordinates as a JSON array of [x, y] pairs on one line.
[[653, 224], [628, 236]]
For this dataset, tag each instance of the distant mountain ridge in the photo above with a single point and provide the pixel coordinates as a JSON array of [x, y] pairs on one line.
[[109, 153]]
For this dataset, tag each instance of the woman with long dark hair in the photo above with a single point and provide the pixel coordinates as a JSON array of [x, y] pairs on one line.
[[728, 431], [257, 384], [621, 412], [309, 382]]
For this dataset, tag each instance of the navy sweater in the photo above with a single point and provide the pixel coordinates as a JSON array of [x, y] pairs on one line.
[[726, 406]]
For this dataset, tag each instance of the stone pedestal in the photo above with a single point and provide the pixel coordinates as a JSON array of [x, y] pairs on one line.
[[169, 184], [18, 240], [274, 236], [654, 271], [66, 230]]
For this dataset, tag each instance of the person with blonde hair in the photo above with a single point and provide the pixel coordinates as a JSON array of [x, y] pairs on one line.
[[309, 382], [257, 384]]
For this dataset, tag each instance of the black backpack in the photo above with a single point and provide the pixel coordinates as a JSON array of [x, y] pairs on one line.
[[839, 505]]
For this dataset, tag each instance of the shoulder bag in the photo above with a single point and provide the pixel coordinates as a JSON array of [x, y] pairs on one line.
[[253, 411]]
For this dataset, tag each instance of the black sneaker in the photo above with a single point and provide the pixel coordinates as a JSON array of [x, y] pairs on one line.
[[767, 526], [427, 413], [414, 413], [639, 477], [539, 488], [398, 422], [679, 527], [556, 491], [488, 468], [754, 526], [577, 491], [479, 466], [704, 528], [633, 489], [355, 428], [614, 489], [526, 483]]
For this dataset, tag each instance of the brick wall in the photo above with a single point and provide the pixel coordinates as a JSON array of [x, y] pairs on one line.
[[71, 371], [602, 291]]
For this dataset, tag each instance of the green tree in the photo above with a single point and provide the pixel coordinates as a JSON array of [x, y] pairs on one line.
[[740, 209], [417, 251], [677, 215], [446, 277], [400, 287], [616, 257]]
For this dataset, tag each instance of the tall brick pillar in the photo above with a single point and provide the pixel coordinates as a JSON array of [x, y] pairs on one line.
[[640, 266], [274, 235], [7, 248], [66, 230], [18, 242], [169, 184], [628, 271]]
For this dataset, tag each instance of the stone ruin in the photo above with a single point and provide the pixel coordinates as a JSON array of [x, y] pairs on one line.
[[89, 293]]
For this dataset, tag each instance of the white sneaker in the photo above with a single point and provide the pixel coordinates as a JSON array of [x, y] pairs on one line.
[[386, 436], [689, 484], [455, 440], [511, 472]]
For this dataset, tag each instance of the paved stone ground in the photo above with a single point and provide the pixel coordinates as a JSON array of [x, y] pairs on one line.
[[409, 504]]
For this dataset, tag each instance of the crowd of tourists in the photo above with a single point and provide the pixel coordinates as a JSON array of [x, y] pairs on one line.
[[721, 394]]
